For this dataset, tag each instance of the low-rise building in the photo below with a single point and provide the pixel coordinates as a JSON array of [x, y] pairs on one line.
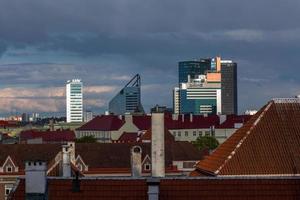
[[109, 128]]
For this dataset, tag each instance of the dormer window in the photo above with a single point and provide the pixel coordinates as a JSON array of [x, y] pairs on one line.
[[147, 167], [9, 169]]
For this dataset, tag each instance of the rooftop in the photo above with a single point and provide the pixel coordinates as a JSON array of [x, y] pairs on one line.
[[268, 144]]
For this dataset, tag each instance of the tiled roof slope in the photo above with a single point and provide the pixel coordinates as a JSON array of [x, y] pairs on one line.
[[172, 189], [103, 123], [117, 155], [91, 189], [20, 153], [128, 137], [267, 144], [48, 136], [230, 189]]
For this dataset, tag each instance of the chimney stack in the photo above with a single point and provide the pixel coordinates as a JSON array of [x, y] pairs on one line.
[[35, 179], [191, 117], [66, 161], [51, 125], [136, 161], [158, 145]]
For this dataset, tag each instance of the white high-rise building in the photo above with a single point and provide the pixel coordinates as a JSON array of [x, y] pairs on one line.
[[74, 100]]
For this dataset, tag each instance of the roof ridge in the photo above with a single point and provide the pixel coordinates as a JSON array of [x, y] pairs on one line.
[[244, 138]]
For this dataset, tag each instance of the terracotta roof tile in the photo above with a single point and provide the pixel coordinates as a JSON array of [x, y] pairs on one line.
[[173, 189], [48, 136], [267, 144], [103, 123]]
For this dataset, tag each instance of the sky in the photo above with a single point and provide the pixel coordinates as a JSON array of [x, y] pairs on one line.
[[43, 43]]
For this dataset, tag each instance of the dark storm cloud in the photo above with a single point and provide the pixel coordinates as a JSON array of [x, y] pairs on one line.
[[106, 42]]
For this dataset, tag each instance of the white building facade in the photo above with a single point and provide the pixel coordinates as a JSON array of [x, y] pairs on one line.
[[74, 101]]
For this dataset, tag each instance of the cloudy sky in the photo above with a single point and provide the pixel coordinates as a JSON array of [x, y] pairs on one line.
[[43, 43]]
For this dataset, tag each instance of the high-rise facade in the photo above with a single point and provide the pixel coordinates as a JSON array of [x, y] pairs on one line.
[[229, 87], [192, 69], [207, 86], [128, 100], [74, 101], [198, 96]]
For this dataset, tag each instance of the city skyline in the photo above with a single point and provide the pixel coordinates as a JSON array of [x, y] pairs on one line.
[[93, 43]]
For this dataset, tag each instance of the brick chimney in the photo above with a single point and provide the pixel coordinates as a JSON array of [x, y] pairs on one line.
[[158, 145], [35, 179], [136, 161]]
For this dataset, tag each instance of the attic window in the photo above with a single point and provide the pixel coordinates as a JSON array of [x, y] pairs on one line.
[[147, 167], [8, 168]]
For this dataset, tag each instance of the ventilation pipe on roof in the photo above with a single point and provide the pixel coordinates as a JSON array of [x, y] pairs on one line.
[[35, 179], [66, 161], [76, 183], [191, 117], [182, 117], [136, 161], [158, 145]]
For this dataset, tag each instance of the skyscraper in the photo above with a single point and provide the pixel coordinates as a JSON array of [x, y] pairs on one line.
[[193, 68], [128, 100], [208, 86], [229, 87], [199, 96], [74, 100]]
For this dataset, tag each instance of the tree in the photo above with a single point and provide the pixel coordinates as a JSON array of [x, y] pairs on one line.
[[86, 139], [206, 142]]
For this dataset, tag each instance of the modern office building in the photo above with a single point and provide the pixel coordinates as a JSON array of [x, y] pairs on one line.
[[193, 69], [198, 96], [229, 87], [128, 100], [207, 86], [74, 101]]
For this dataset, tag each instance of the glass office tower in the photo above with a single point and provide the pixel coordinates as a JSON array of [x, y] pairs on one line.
[[128, 100], [193, 68], [74, 103]]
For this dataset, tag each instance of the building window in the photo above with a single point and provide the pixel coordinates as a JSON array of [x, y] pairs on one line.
[[186, 133], [194, 133], [207, 133], [147, 167], [9, 168], [179, 133], [174, 133], [200, 133], [8, 189]]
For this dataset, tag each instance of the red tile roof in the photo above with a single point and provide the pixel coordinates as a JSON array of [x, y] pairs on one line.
[[147, 136], [20, 153], [267, 144], [91, 189], [128, 137], [49, 136], [142, 122], [117, 155], [103, 123], [278, 188], [231, 120]]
